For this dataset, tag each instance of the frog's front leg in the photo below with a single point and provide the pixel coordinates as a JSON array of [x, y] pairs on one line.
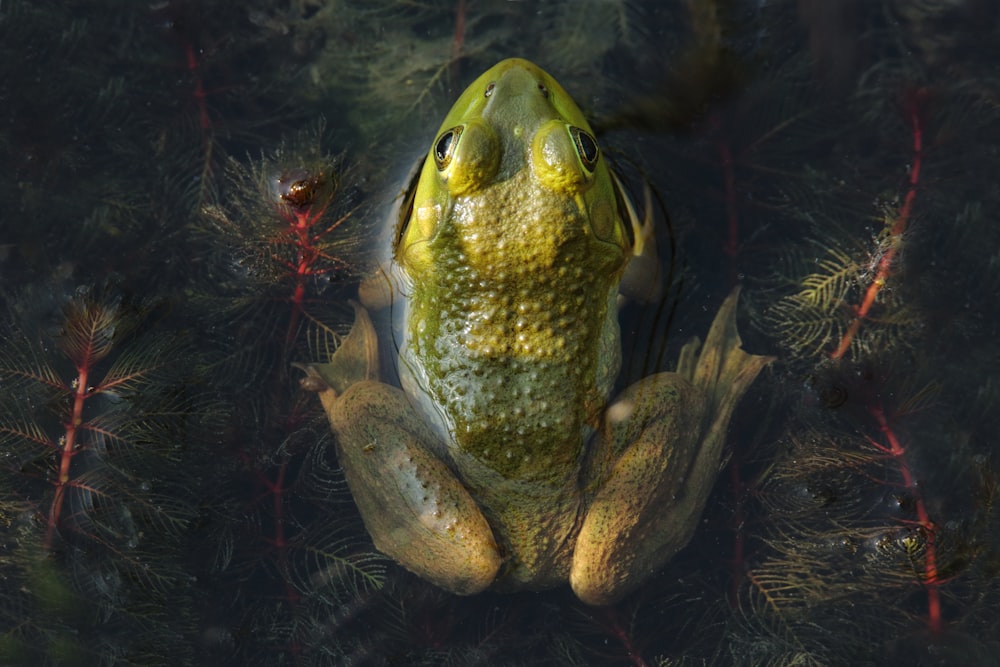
[[413, 506], [656, 461]]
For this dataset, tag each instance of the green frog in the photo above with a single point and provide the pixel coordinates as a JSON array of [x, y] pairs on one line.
[[502, 461]]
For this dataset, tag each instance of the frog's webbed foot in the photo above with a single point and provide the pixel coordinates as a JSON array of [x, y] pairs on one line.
[[415, 509], [723, 371], [355, 360], [657, 460]]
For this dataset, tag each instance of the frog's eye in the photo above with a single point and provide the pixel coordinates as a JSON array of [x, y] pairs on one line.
[[586, 147], [564, 157], [444, 147], [467, 157]]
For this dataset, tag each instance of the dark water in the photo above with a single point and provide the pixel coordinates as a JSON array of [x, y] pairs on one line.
[[193, 190]]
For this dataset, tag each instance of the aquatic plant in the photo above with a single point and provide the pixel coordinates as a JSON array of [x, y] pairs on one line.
[[94, 426], [281, 242], [869, 501], [833, 156]]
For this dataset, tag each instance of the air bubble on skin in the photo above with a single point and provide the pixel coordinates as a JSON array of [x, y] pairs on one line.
[[619, 411]]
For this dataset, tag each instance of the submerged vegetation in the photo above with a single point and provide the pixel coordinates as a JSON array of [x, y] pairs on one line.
[[195, 189]]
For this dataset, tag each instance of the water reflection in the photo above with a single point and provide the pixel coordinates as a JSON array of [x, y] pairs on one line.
[[832, 157]]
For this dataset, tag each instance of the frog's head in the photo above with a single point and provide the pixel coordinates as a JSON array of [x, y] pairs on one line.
[[514, 142]]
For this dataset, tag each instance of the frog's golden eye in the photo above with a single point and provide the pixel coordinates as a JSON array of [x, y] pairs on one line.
[[444, 147], [489, 89], [586, 147]]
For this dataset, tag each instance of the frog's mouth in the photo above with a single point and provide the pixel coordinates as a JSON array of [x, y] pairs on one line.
[[519, 84]]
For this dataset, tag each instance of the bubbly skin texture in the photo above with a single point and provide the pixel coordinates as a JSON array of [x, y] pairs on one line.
[[500, 462]]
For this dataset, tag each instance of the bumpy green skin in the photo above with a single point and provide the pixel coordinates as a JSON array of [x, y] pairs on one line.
[[512, 291], [500, 463]]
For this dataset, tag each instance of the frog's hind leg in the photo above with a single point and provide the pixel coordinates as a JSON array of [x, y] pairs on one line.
[[658, 456], [413, 506]]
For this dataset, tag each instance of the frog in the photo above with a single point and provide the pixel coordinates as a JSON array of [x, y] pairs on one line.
[[499, 459]]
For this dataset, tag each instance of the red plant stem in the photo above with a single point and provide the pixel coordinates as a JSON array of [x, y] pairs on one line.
[[200, 97], [459, 40], [739, 544], [730, 249], [304, 259], [930, 579], [276, 490], [66, 454], [898, 227], [732, 217], [614, 626], [199, 89]]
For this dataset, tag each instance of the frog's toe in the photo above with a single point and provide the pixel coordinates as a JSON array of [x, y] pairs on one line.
[[721, 368]]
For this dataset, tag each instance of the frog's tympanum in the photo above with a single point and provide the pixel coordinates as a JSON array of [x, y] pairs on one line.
[[503, 462]]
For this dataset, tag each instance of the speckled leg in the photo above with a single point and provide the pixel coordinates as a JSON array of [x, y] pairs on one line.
[[413, 506], [658, 457], [415, 509]]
